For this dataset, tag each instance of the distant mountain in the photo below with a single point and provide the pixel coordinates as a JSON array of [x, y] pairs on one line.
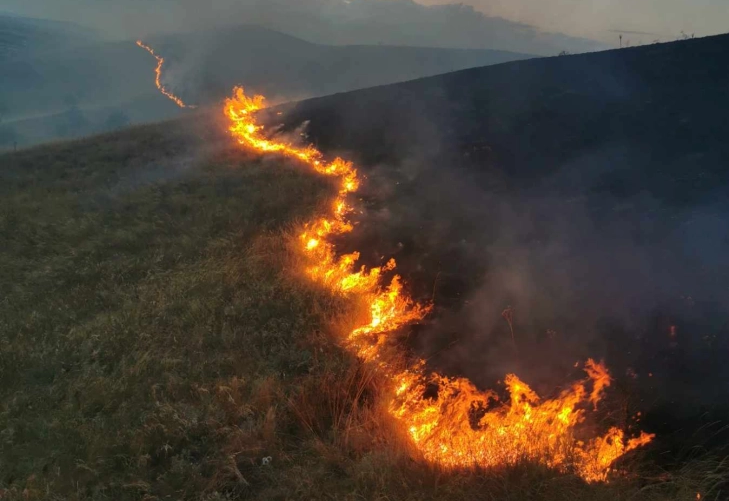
[[99, 81], [284, 67], [21, 36], [71, 92], [406, 22]]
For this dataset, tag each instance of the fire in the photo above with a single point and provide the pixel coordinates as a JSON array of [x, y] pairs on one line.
[[465, 427], [158, 76], [461, 427]]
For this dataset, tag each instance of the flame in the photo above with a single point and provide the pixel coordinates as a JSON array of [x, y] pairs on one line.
[[462, 427], [158, 76], [466, 427]]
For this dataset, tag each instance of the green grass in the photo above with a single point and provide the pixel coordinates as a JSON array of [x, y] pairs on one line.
[[141, 331], [158, 342]]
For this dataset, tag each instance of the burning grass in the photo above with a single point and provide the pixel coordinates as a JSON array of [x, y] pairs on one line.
[[161, 338], [441, 428], [158, 77]]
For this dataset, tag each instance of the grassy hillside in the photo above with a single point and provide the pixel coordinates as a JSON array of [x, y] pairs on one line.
[[157, 341], [146, 335], [587, 192], [535, 116]]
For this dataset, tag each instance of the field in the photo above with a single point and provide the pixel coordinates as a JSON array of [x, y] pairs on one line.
[[159, 342]]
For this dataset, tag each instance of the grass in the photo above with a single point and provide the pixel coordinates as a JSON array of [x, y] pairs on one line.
[[158, 342]]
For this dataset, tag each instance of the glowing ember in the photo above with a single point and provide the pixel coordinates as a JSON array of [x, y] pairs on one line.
[[158, 78], [462, 427]]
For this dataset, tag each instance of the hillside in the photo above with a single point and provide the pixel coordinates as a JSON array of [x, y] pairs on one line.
[[587, 192], [158, 341], [149, 341], [285, 67], [21, 36], [61, 93]]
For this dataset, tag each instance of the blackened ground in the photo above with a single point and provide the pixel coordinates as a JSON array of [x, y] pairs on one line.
[[588, 193]]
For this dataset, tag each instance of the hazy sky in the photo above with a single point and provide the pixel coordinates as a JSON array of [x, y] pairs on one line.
[[593, 19], [664, 19]]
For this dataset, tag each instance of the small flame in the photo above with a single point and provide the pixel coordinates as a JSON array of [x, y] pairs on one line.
[[158, 77], [463, 427]]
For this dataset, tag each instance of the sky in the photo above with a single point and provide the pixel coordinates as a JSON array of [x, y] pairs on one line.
[[599, 19], [643, 21]]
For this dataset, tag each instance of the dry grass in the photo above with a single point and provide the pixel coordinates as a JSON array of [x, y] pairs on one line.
[[158, 342]]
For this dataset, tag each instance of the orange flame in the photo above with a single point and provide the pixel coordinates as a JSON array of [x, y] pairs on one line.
[[462, 426], [466, 427], [158, 77]]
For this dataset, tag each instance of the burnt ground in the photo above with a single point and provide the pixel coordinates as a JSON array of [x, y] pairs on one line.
[[588, 193]]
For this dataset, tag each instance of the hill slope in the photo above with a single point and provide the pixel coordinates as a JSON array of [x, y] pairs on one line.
[[285, 67], [142, 321], [157, 341], [587, 192]]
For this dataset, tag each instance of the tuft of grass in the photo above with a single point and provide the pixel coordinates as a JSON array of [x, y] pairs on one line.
[[159, 341]]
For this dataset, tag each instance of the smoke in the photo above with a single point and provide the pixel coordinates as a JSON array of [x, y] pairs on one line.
[[530, 26], [642, 22], [392, 22], [636, 281], [556, 188]]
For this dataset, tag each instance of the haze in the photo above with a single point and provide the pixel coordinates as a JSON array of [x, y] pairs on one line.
[[648, 20], [476, 24], [601, 20]]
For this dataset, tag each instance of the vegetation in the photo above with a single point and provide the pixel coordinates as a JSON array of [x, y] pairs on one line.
[[157, 341]]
